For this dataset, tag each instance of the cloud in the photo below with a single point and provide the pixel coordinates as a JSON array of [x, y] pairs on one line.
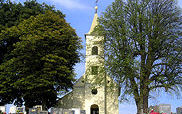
[[70, 4]]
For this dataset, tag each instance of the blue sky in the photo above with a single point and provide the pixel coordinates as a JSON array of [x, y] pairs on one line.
[[79, 13]]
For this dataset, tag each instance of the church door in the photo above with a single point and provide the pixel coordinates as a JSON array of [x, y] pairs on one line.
[[94, 109]]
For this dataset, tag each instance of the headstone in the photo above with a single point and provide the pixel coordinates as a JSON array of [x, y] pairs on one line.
[[179, 110], [72, 112], [56, 111], [20, 109], [165, 108], [43, 112], [33, 111], [66, 111], [76, 110], [82, 112], [12, 110], [39, 108], [2, 108]]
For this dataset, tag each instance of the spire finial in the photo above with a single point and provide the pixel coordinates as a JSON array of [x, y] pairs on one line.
[[96, 6]]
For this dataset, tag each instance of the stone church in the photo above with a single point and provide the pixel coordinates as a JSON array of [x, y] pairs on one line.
[[95, 92]]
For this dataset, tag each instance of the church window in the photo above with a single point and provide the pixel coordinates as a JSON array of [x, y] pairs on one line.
[[95, 50], [94, 70], [94, 91]]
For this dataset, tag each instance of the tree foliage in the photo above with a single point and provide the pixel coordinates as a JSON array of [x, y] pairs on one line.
[[11, 14], [38, 63], [143, 47]]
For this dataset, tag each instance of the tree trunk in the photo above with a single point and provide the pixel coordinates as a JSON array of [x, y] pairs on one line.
[[44, 107], [145, 95], [138, 104], [145, 103], [138, 107]]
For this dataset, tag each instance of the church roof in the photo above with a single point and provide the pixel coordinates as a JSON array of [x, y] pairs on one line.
[[94, 22]]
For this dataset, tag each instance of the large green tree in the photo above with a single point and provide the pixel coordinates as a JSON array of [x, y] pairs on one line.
[[143, 47], [11, 14], [38, 64]]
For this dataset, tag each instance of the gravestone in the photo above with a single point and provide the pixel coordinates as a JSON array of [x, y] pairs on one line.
[[39, 108], [20, 109], [12, 110], [56, 111], [66, 111], [165, 108], [76, 110], [2, 108], [43, 112], [179, 110], [72, 112], [33, 111]]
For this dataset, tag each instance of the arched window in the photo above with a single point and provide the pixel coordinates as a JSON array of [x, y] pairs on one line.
[[95, 50], [94, 109]]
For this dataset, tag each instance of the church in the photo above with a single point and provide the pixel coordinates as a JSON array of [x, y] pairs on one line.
[[95, 92]]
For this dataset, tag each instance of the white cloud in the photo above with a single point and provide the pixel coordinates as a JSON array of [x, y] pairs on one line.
[[70, 4]]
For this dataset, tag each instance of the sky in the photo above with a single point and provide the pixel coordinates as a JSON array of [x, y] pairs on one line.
[[79, 13]]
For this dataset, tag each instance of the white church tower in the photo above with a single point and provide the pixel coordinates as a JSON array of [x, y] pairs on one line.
[[95, 92], [95, 89]]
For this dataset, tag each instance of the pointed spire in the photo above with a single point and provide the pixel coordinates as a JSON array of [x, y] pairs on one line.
[[94, 22]]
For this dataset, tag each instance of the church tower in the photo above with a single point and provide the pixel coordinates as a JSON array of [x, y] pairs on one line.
[[101, 92], [95, 89], [95, 92]]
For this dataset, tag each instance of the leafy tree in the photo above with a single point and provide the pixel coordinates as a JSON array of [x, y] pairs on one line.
[[143, 47], [11, 14], [40, 65]]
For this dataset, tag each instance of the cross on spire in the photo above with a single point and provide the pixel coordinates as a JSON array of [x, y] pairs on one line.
[[96, 2]]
